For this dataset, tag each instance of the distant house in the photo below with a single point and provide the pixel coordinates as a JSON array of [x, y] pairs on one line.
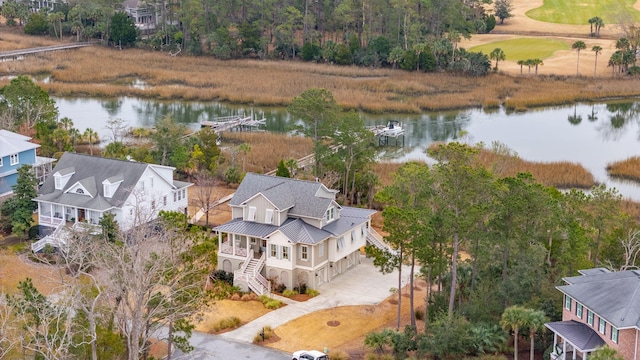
[[83, 188], [16, 150], [142, 14], [600, 308], [291, 232]]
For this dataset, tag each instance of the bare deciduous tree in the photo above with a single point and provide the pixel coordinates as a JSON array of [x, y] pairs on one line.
[[206, 195]]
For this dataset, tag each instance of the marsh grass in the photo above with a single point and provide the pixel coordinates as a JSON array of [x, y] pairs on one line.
[[105, 72], [267, 149], [628, 169]]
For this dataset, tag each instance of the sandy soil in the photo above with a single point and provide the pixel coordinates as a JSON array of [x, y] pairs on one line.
[[562, 62]]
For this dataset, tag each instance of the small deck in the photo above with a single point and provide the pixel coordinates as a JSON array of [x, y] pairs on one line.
[[228, 123]]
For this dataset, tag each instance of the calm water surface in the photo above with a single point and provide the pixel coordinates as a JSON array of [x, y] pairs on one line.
[[592, 135]]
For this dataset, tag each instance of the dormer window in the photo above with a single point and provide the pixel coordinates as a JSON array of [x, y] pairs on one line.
[[330, 215], [268, 217], [251, 216], [58, 180]]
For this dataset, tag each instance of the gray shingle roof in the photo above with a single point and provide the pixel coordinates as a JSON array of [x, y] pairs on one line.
[[297, 195], [579, 334], [300, 232], [91, 171], [615, 296]]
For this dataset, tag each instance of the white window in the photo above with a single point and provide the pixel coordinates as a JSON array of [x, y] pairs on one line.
[[614, 334], [184, 193], [579, 310], [321, 249], [567, 302], [131, 211], [353, 236], [164, 200], [251, 216], [107, 190], [274, 251], [152, 183], [285, 252], [589, 317], [330, 214], [175, 197], [58, 182], [252, 241], [79, 191], [364, 229], [13, 159], [179, 195], [602, 326], [153, 204], [268, 216], [304, 252], [340, 243]]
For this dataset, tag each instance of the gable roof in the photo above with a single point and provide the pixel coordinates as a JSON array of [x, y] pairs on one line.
[[90, 172], [299, 196], [614, 296], [12, 143]]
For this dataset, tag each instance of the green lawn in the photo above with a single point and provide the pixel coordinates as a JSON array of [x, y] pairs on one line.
[[578, 12], [524, 48]]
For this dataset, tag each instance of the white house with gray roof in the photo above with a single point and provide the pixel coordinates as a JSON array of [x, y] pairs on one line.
[[82, 188], [600, 308], [291, 232]]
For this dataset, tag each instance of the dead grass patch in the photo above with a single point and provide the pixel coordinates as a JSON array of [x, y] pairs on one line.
[[14, 268], [223, 309], [342, 328]]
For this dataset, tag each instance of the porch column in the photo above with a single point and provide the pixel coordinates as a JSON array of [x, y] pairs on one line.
[[219, 240], [585, 355], [76, 217], [574, 353], [555, 341], [564, 349], [232, 238]]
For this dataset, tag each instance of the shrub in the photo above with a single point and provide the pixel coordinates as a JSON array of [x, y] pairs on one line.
[[222, 276], [312, 292], [235, 297], [302, 289], [267, 332], [273, 304], [280, 288], [246, 297], [289, 293], [420, 314], [227, 323]]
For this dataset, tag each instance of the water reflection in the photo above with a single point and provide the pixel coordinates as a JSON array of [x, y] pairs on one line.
[[610, 134]]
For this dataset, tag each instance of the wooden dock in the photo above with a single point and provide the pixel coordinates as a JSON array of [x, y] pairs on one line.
[[17, 54], [227, 123]]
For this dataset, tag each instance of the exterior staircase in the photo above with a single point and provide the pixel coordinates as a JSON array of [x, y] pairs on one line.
[[249, 273], [375, 239]]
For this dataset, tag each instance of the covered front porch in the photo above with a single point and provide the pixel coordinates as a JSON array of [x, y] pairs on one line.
[[239, 238], [53, 215], [573, 340]]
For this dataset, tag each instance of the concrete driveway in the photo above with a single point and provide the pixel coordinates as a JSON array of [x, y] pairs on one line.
[[361, 285]]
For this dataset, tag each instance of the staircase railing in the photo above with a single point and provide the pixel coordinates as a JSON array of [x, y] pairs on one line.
[[257, 282], [377, 240], [241, 274]]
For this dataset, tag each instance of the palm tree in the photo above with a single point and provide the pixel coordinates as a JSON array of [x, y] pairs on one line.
[[521, 63], [529, 64], [535, 322], [597, 50], [591, 22], [244, 148], [498, 55], [292, 165], [92, 137], [599, 23], [514, 318], [537, 62], [578, 45], [76, 28]]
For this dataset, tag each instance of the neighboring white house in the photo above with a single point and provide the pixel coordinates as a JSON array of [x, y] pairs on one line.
[[291, 232], [82, 188]]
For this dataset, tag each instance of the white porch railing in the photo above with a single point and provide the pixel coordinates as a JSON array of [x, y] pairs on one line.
[[374, 238], [50, 220], [55, 239], [226, 248]]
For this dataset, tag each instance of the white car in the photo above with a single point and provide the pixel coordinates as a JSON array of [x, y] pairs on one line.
[[309, 355]]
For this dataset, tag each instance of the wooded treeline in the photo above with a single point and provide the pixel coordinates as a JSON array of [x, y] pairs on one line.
[[414, 35]]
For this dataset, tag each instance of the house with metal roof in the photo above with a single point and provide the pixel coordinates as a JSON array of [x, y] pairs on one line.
[[601, 308], [17, 150], [83, 188], [291, 232]]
